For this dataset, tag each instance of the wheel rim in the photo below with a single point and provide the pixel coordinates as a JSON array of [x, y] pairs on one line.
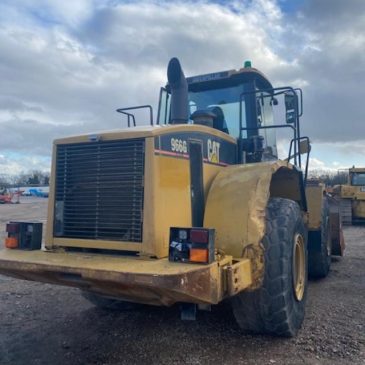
[[299, 267]]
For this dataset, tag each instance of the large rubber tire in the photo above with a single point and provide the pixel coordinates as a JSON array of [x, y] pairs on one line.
[[319, 259], [274, 308], [108, 303]]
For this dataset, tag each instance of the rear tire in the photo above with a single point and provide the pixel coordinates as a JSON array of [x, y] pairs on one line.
[[319, 261], [108, 303], [277, 307]]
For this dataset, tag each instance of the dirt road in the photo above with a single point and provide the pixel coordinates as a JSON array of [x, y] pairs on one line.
[[46, 324]]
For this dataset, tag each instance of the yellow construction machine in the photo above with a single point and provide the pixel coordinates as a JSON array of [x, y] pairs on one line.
[[193, 209], [352, 196]]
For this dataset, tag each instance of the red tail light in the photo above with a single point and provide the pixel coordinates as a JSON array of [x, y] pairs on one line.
[[199, 235]]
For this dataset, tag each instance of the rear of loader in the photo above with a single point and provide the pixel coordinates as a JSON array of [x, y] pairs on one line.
[[194, 210]]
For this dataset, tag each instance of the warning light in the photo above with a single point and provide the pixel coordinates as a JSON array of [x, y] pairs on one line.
[[247, 64]]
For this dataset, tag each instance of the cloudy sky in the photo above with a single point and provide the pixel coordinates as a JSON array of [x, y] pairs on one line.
[[65, 66]]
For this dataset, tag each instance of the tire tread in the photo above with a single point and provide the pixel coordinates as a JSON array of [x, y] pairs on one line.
[[270, 309]]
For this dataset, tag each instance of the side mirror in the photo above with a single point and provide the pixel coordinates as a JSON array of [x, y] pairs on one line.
[[290, 107], [304, 147]]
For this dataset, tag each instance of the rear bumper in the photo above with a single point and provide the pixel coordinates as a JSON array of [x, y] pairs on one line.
[[157, 282]]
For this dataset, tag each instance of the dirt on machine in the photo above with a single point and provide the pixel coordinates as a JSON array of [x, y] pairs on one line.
[[192, 209]]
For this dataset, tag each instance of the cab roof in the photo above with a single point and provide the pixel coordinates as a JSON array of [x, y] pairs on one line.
[[222, 79]]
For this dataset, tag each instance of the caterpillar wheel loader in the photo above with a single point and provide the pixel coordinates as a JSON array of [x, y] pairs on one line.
[[352, 196], [193, 209]]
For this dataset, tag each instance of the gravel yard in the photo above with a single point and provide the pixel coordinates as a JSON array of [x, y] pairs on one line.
[[47, 324]]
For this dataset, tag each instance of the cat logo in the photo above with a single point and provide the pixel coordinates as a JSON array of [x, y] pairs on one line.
[[213, 151]]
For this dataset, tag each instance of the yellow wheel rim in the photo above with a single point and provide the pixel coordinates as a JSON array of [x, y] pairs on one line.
[[299, 278]]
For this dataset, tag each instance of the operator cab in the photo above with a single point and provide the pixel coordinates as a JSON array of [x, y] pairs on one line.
[[357, 176], [239, 103], [236, 102]]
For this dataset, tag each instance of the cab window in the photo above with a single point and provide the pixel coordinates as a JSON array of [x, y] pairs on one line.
[[358, 179]]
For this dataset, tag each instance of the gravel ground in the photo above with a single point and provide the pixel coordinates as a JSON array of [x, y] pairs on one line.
[[47, 324]]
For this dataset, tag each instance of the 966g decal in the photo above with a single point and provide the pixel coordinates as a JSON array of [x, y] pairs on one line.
[[216, 150], [179, 145]]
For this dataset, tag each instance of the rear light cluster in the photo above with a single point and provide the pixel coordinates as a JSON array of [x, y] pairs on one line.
[[194, 245], [24, 235]]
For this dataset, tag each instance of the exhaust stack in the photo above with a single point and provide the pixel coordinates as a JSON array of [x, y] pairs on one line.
[[179, 92]]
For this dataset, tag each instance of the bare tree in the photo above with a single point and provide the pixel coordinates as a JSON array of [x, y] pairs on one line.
[[30, 178], [330, 178]]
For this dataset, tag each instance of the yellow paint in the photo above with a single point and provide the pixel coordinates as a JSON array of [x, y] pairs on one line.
[[314, 195], [167, 199], [348, 191], [89, 243], [236, 208], [236, 199], [239, 276], [172, 203], [146, 131], [157, 282], [355, 193], [358, 209], [352, 192]]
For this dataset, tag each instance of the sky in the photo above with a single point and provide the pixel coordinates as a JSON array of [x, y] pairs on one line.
[[65, 66]]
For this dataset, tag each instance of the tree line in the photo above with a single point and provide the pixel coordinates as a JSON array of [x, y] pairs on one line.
[[330, 178], [31, 178], [38, 177]]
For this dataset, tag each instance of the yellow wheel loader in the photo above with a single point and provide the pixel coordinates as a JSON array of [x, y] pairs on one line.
[[194, 209], [352, 196]]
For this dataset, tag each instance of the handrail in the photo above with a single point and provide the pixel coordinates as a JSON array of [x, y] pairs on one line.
[[290, 156], [273, 92], [130, 115]]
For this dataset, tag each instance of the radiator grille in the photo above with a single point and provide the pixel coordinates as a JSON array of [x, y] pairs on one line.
[[99, 190]]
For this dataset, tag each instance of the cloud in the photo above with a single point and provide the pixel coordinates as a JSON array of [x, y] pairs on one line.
[[47, 12], [316, 164], [59, 79], [332, 62], [15, 164], [66, 66]]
